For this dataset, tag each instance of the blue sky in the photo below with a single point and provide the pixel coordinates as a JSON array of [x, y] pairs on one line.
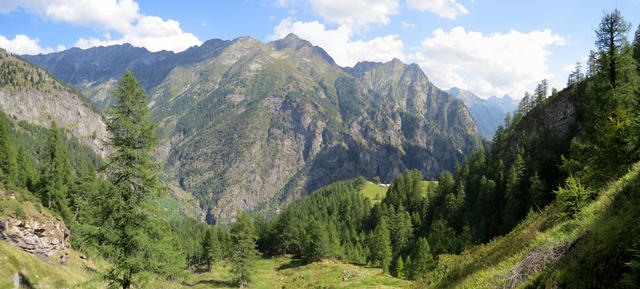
[[488, 47]]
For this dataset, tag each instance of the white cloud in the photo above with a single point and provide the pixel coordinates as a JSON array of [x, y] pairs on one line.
[[355, 13], [22, 44], [339, 44], [101, 14], [494, 64], [444, 8], [407, 25], [121, 16]]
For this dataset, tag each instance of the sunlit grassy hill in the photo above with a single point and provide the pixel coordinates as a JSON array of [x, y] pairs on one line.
[[596, 249]]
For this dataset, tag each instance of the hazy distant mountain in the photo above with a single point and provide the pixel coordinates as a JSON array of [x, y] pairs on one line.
[[248, 125], [487, 113]]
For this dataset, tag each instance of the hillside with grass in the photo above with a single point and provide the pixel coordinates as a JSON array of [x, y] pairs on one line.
[[593, 247], [552, 202]]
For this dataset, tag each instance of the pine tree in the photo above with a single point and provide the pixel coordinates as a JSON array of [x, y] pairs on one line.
[[408, 268], [244, 253], [402, 230], [317, 242], [287, 230], [513, 195], [422, 261], [614, 117], [636, 48], [380, 246], [611, 36], [442, 237], [27, 175], [8, 165], [57, 176], [210, 249], [400, 268], [132, 233]]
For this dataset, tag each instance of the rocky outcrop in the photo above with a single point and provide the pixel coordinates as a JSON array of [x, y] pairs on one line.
[[44, 239], [30, 93]]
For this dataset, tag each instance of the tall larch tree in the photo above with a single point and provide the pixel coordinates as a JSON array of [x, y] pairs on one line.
[[380, 246], [210, 248], [611, 36], [57, 176], [134, 180], [244, 252], [8, 165]]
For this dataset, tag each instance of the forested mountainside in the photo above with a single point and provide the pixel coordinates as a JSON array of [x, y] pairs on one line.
[[30, 93], [487, 113], [552, 202], [247, 125]]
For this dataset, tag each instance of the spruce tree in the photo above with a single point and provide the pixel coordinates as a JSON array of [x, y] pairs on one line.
[[132, 237], [636, 48], [402, 230], [408, 268], [380, 246], [210, 249], [244, 253], [400, 268], [422, 261], [317, 243], [8, 165], [27, 176], [57, 176], [611, 36]]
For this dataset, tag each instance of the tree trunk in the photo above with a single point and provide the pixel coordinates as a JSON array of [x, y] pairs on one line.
[[126, 284]]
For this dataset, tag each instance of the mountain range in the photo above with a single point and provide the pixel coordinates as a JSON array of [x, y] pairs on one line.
[[487, 113], [246, 125]]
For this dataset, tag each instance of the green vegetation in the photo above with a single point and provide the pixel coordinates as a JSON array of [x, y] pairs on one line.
[[544, 205], [373, 192], [243, 251]]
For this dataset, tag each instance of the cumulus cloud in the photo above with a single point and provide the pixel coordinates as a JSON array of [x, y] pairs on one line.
[[22, 44], [339, 44], [121, 16], [444, 8], [355, 13], [494, 64], [150, 32]]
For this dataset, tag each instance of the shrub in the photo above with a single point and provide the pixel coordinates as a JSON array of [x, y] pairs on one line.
[[17, 210], [572, 197]]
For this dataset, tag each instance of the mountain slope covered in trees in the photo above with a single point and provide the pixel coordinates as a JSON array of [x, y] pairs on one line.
[[247, 125]]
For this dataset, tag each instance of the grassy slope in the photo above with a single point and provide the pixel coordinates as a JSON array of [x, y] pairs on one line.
[[372, 190], [595, 238], [283, 272], [22, 204], [270, 273]]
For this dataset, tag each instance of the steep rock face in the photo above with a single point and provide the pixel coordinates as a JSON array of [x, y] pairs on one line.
[[30, 93], [254, 125]]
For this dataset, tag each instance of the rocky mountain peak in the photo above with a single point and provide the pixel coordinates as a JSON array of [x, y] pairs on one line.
[[297, 46]]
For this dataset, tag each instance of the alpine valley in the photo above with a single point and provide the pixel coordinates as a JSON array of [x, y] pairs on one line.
[[234, 164], [245, 125]]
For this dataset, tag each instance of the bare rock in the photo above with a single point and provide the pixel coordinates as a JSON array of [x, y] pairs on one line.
[[43, 239]]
